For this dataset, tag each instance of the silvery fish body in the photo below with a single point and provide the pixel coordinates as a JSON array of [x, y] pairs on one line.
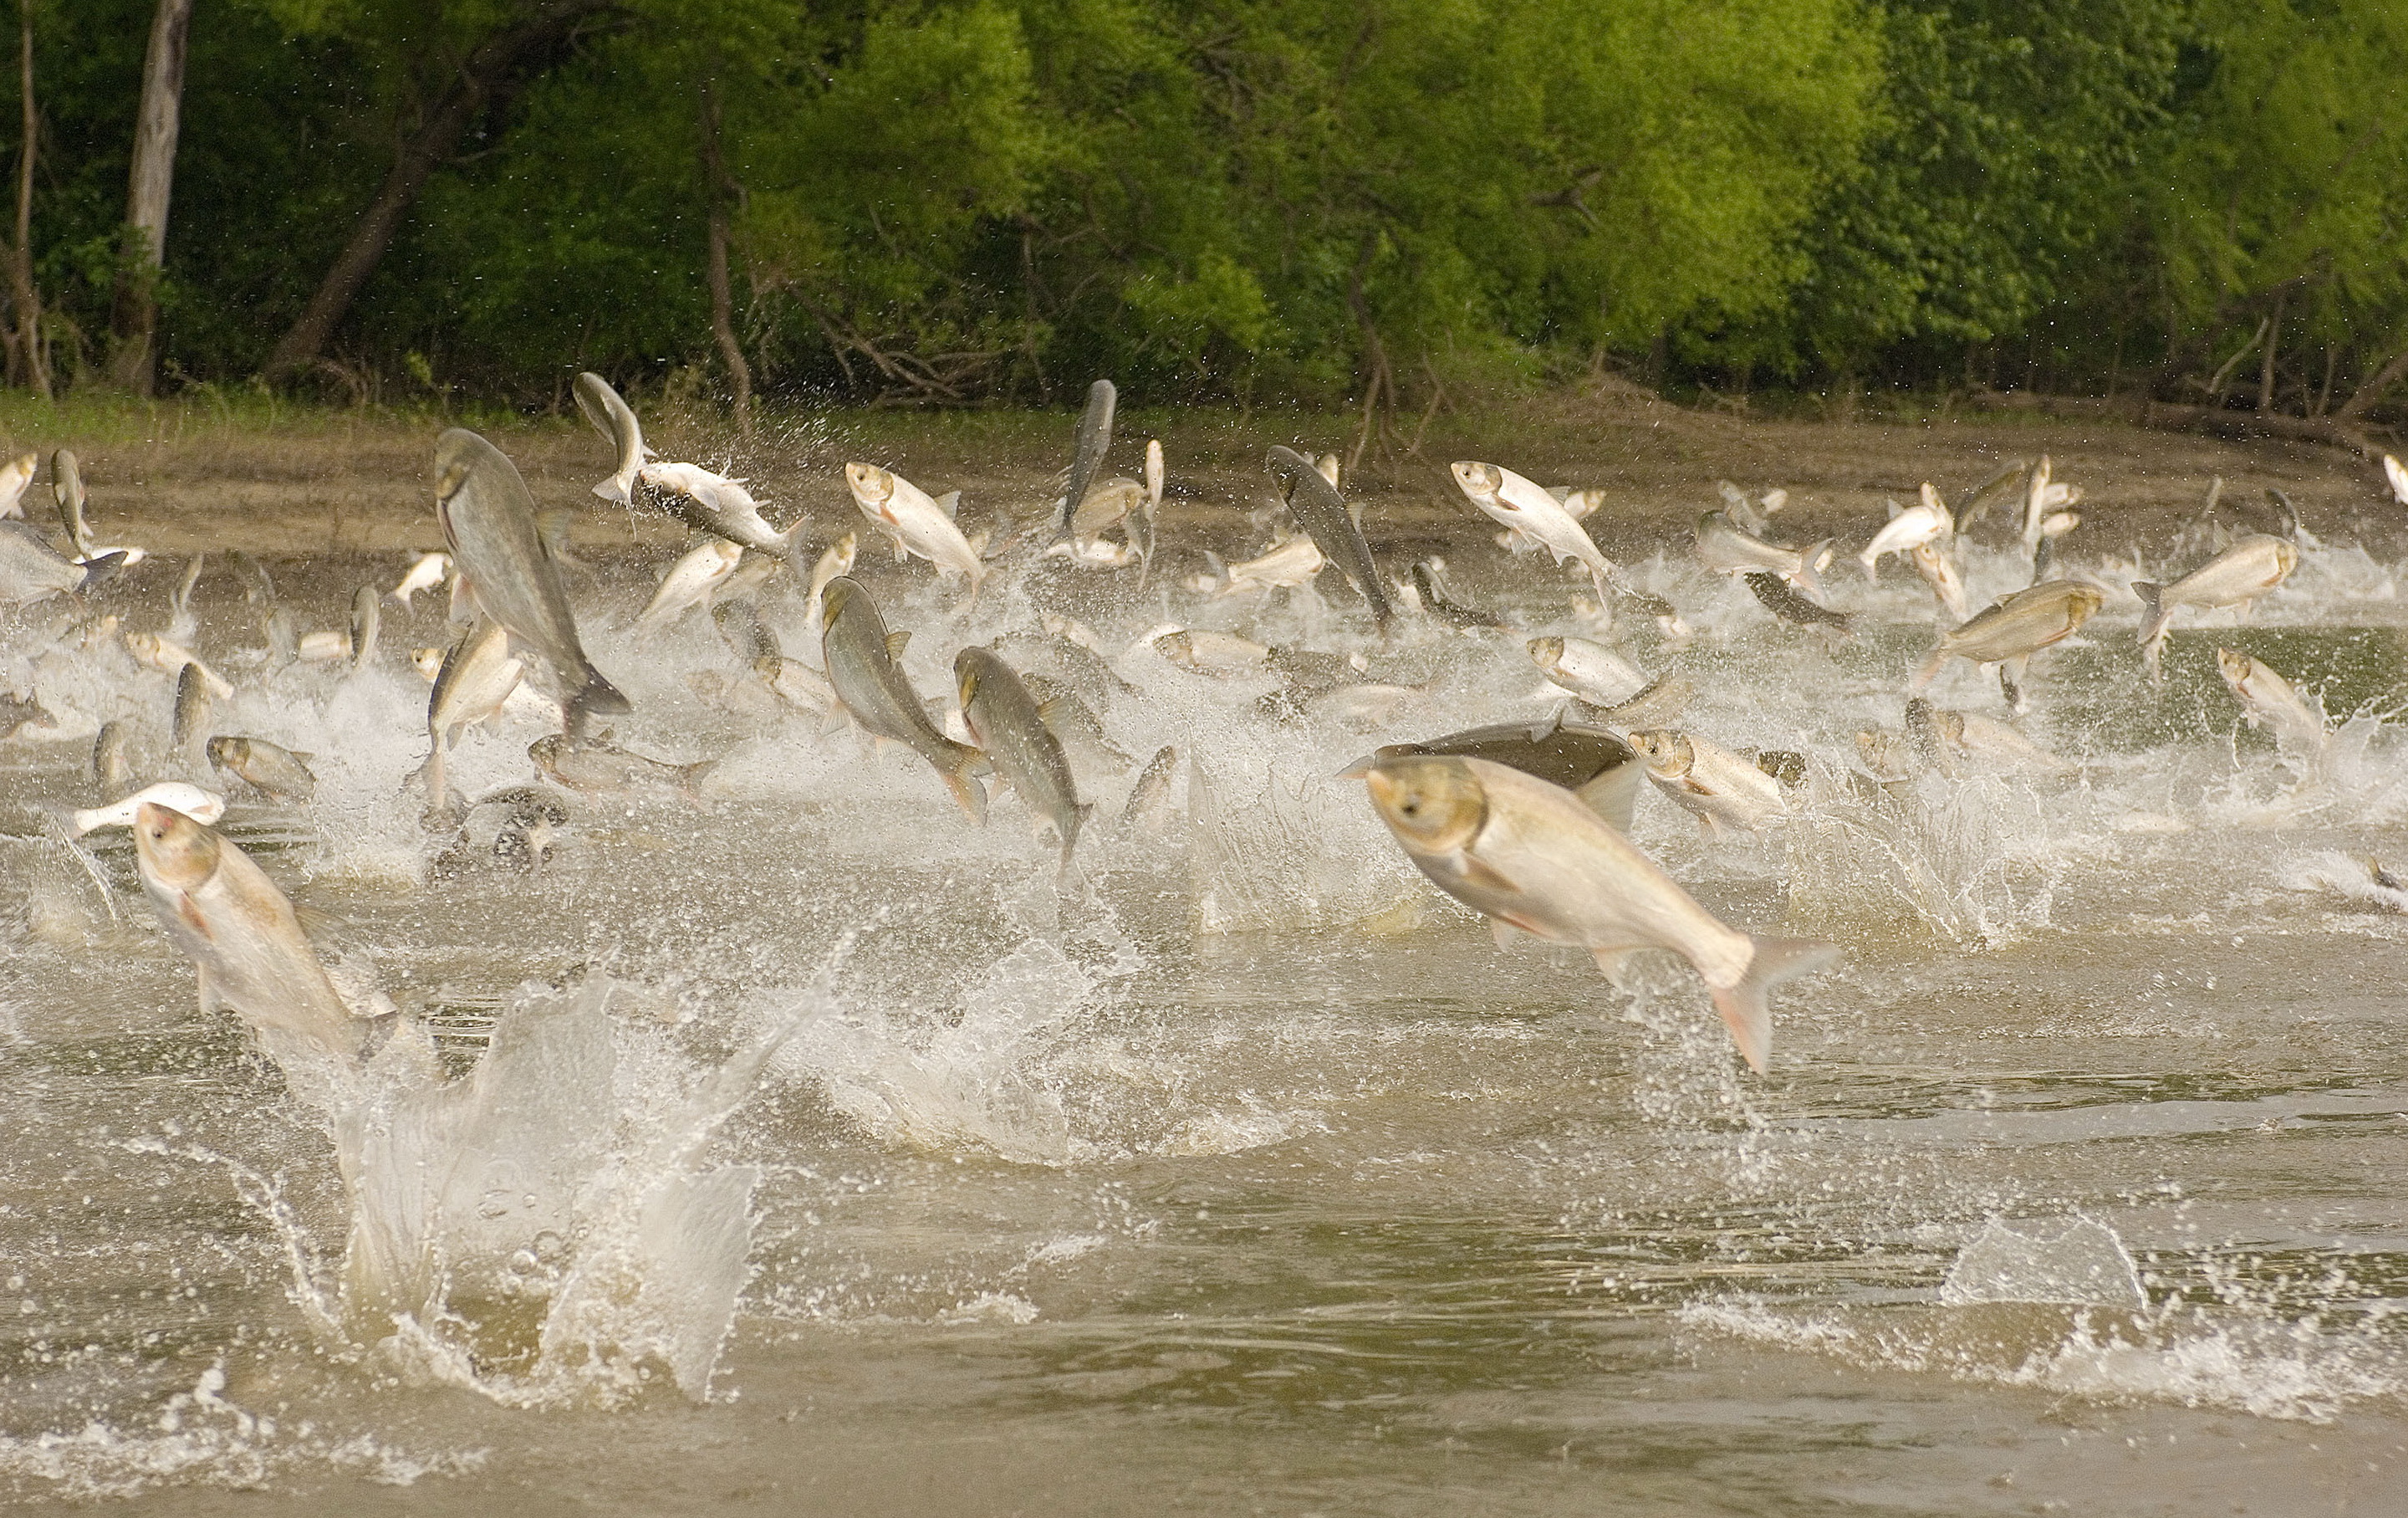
[[240, 934], [611, 417], [31, 570], [195, 803], [909, 516], [1588, 668], [1324, 514], [1926, 521], [1094, 442], [1010, 725], [858, 655], [2251, 568], [2265, 697], [1726, 549], [1718, 787], [714, 503], [275, 771], [488, 521], [690, 582], [1293, 562], [1533, 858], [1516, 503], [1592, 763]]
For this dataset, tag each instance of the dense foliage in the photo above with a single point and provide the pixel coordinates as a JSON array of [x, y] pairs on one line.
[[952, 201]]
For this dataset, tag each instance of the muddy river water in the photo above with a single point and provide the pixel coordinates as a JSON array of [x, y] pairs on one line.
[[802, 1147]]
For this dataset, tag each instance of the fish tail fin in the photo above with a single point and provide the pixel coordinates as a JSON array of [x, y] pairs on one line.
[[597, 696], [100, 571], [1810, 572], [1746, 1008], [614, 490], [967, 791], [2153, 609], [1219, 571], [692, 776], [1929, 669], [790, 544]]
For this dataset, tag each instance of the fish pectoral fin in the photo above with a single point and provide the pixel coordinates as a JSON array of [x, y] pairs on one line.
[[896, 643], [1483, 875], [1502, 932], [1612, 962], [208, 993]]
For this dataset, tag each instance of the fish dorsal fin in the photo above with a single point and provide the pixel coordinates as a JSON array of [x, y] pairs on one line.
[[949, 503], [896, 643], [1050, 707]]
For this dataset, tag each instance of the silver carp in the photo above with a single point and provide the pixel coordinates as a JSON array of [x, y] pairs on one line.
[[1010, 725], [859, 654], [1533, 858], [612, 418], [1094, 441], [489, 522], [1322, 512]]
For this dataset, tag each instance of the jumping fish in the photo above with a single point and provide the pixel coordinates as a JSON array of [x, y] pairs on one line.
[[173, 659], [367, 620], [426, 573], [110, 770], [240, 934], [599, 767], [31, 570], [1291, 563], [1515, 502], [1534, 858], [1588, 668], [195, 803], [859, 655], [1109, 503], [1203, 651], [323, 646], [2396, 476], [2013, 629], [2042, 495], [1148, 806], [1926, 521], [15, 475], [714, 503], [190, 723], [1978, 500], [1438, 597], [66, 488], [1939, 571], [1322, 512], [488, 521], [1592, 763], [1713, 783], [476, 678], [1143, 521], [1726, 549], [746, 635], [796, 683], [276, 773], [2251, 568], [1095, 441], [689, 583], [18, 713], [1785, 602], [914, 522], [2267, 699], [616, 422], [1075, 722], [1664, 700], [1010, 725]]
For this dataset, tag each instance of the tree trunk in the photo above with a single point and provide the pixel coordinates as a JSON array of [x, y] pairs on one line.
[[30, 362], [2273, 346], [484, 70], [134, 316], [723, 303]]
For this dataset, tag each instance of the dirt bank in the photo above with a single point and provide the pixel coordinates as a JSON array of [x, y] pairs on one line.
[[183, 478]]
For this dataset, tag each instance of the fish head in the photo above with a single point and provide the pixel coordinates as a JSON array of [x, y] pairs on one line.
[[841, 554], [1667, 753], [1926, 558], [1178, 648], [1481, 481], [1546, 653], [545, 752], [2233, 665], [838, 595], [870, 486], [428, 662], [226, 753], [2286, 558], [2057, 524], [725, 552], [1878, 749], [173, 850], [2082, 600], [969, 667], [1433, 802]]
